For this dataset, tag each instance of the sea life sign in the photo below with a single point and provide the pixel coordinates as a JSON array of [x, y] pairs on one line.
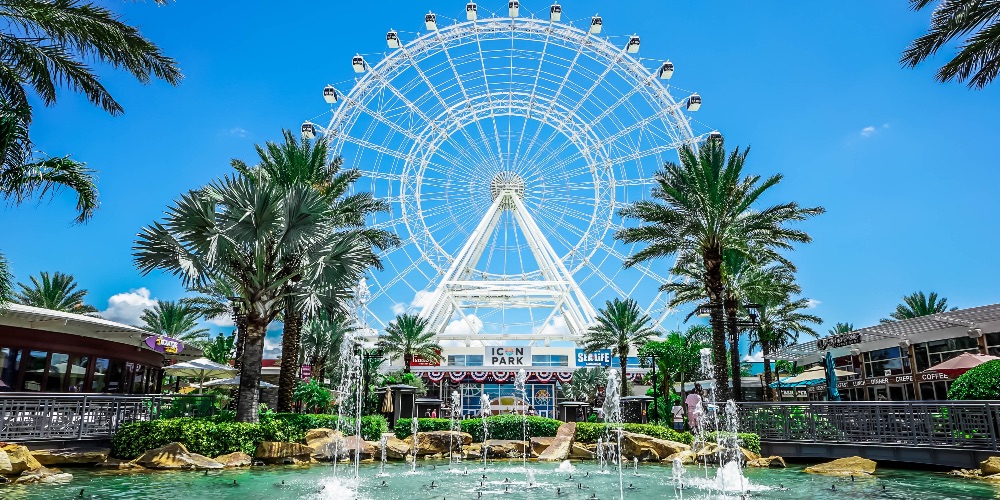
[[600, 357], [509, 356]]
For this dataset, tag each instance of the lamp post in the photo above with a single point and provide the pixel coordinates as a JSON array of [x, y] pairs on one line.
[[366, 355]]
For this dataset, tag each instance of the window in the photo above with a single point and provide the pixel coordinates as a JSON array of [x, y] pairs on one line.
[[892, 359], [138, 379], [100, 381], [116, 377], [549, 360], [465, 360], [77, 373], [993, 343], [57, 372], [34, 371], [932, 353], [9, 361]]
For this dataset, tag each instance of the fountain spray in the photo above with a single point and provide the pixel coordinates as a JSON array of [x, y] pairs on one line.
[[485, 409], [613, 417]]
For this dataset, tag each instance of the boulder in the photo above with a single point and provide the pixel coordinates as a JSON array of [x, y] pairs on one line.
[[440, 442], [356, 445], [710, 453], [327, 444], [175, 456], [473, 451], [649, 448], [686, 457], [281, 452], [854, 466], [396, 449], [561, 445], [71, 457], [235, 459], [20, 460], [43, 475], [766, 462], [990, 466], [116, 464], [580, 452], [538, 444], [503, 448], [5, 466]]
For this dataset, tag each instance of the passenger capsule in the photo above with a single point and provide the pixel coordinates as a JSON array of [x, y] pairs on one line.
[[359, 64], [667, 70], [715, 135], [430, 20], [633, 45], [555, 13], [308, 130], [330, 94], [392, 39], [514, 8], [596, 23], [471, 11], [694, 102]]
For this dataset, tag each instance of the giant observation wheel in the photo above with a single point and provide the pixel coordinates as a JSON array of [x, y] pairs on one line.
[[505, 143]]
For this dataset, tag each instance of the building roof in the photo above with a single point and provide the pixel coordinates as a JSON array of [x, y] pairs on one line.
[[82, 325], [932, 327]]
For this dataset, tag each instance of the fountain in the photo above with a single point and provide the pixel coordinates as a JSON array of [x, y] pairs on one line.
[[414, 427], [677, 472], [381, 445], [599, 451], [519, 388], [485, 410], [613, 418], [454, 426], [349, 396]]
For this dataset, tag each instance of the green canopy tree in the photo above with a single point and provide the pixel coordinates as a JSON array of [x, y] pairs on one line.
[[56, 291], [841, 328], [174, 319], [976, 23], [221, 348], [705, 206], [407, 336], [678, 357], [782, 321], [585, 385], [321, 341], [620, 325], [245, 231], [916, 305]]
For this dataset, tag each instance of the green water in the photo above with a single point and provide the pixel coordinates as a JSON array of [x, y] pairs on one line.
[[504, 480]]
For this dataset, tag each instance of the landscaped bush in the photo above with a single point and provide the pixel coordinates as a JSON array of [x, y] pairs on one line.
[[500, 426], [746, 440], [981, 382], [216, 436], [588, 432]]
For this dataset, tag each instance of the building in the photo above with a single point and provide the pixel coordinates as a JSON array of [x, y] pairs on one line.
[[51, 351], [891, 361]]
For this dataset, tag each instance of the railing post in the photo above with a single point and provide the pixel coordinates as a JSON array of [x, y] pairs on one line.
[[83, 417], [992, 426]]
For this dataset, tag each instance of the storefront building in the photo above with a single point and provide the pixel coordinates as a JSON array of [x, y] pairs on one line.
[[892, 361], [53, 352]]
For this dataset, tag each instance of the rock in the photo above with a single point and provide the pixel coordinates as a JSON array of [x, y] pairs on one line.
[[856, 466], [503, 448], [580, 452], [43, 475], [356, 445], [710, 453], [473, 451], [326, 444], [687, 457], [396, 449], [235, 459], [175, 456], [71, 457], [649, 448], [538, 444], [762, 462], [5, 466], [990, 466], [281, 452], [561, 445], [435, 442], [20, 460], [116, 464]]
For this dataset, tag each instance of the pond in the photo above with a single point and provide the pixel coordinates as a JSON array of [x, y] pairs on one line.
[[580, 480]]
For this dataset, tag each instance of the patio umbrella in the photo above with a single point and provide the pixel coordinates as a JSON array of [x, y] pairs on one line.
[[387, 400], [812, 376], [233, 382], [961, 364], [832, 393], [200, 369]]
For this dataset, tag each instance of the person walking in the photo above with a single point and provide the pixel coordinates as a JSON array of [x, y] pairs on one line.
[[694, 408]]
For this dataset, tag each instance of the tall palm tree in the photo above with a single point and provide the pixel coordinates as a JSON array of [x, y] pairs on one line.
[[305, 161], [245, 231], [704, 206], [408, 336], [841, 328], [620, 326], [585, 385], [57, 291], [215, 299], [917, 304], [321, 341], [978, 57], [174, 319], [782, 321]]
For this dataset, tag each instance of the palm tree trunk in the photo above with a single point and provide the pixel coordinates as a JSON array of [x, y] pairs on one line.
[[732, 310], [241, 335], [766, 352], [253, 352], [712, 258], [623, 362], [407, 359], [289, 359]]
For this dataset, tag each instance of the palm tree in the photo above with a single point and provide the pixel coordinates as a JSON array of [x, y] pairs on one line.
[[585, 385], [703, 206], [6, 283], [976, 21], [220, 349], [244, 231], [917, 304], [176, 320], [620, 326], [781, 323], [408, 336], [215, 299], [321, 341], [56, 292], [305, 161], [678, 357], [841, 328]]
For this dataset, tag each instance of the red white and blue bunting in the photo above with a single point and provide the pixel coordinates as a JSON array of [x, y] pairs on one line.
[[564, 376], [456, 377], [435, 376], [544, 376], [479, 376], [501, 376]]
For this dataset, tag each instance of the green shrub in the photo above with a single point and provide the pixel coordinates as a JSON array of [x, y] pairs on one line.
[[500, 426], [215, 436], [589, 432], [746, 440], [403, 426], [979, 383]]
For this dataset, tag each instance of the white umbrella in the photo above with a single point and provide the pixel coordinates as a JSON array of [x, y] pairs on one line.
[[233, 382], [813, 375], [200, 369]]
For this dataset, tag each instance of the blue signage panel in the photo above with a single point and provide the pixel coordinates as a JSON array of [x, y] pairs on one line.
[[600, 357]]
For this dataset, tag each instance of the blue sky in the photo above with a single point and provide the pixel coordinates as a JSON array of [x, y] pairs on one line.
[[904, 165]]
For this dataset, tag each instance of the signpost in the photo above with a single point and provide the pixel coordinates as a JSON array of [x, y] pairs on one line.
[[305, 372], [601, 357], [164, 344]]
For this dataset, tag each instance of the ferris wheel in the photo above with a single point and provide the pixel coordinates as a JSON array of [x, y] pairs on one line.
[[505, 143]]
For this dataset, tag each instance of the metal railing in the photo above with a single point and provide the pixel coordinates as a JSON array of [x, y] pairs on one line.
[[971, 425], [38, 417]]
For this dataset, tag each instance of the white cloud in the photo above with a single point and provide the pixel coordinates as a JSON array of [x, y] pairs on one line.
[[470, 325], [223, 320], [398, 308], [128, 306], [885, 125], [421, 300], [868, 131], [272, 349], [554, 328], [812, 303], [757, 357], [238, 132]]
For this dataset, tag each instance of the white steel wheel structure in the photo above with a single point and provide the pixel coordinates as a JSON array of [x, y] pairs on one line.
[[505, 146]]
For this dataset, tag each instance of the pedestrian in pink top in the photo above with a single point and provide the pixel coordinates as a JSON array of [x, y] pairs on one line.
[[694, 408]]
